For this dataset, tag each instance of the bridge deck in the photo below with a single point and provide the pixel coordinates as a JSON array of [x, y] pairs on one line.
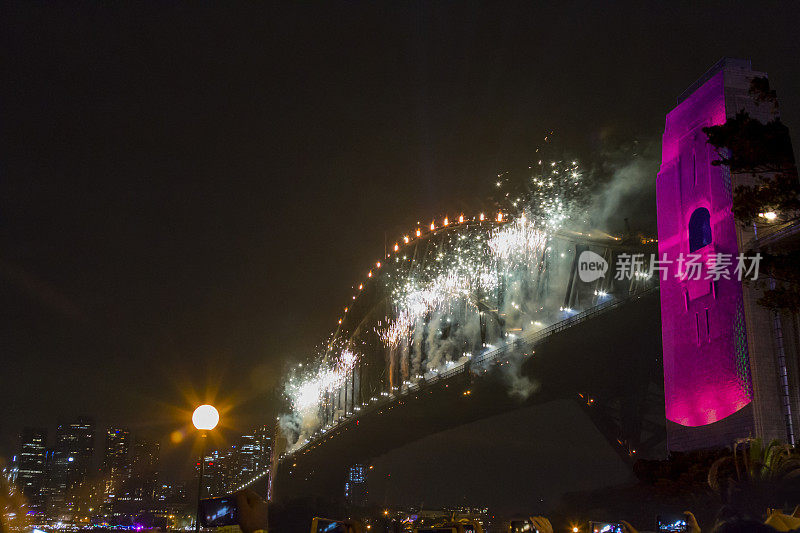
[[492, 356], [582, 354]]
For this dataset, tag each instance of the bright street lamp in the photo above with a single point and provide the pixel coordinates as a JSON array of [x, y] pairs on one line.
[[205, 418]]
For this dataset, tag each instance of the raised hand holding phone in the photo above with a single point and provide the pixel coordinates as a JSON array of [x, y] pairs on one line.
[[253, 514]]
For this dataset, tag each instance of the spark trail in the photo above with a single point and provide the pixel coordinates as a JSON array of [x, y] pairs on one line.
[[445, 292]]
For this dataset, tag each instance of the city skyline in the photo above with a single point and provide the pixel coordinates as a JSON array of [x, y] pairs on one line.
[[113, 475], [372, 258]]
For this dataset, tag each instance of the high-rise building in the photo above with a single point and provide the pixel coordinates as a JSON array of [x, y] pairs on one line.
[[50, 487], [355, 487], [263, 439], [144, 470], [75, 444], [68, 463], [245, 462], [116, 450], [116, 461], [215, 473], [729, 369], [30, 465]]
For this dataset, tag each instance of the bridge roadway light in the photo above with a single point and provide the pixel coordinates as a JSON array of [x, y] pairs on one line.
[[205, 418]]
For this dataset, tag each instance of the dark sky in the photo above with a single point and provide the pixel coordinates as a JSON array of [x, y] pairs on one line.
[[187, 192]]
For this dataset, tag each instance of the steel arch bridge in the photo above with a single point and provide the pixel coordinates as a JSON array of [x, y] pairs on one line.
[[367, 411], [377, 378], [384, 371]]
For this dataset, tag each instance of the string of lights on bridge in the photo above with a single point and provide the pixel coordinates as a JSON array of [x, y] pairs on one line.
[[418, 233], [253, 480], [412, 236]]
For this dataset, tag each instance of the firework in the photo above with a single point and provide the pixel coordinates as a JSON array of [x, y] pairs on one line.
[[450, 293]]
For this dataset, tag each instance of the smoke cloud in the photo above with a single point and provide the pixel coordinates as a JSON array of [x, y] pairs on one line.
[[625, 187]]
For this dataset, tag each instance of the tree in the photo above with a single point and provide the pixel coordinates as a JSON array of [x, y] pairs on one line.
[[749, 147], [764, 151], [783, 271], [757, 476]]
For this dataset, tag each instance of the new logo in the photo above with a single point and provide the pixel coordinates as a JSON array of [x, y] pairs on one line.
[[591, 266]]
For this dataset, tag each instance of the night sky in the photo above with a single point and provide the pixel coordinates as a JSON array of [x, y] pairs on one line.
[[188, 192]]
